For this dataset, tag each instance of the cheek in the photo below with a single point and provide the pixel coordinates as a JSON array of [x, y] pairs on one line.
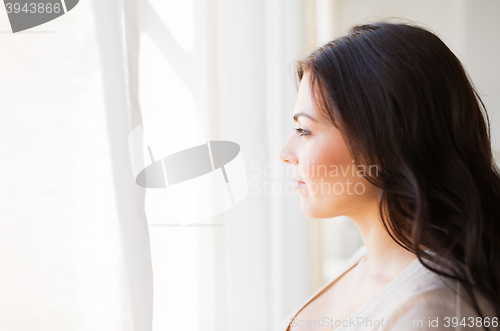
[[334, 184], [328, 163]]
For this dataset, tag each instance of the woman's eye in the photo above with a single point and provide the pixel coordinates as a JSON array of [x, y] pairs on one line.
[[302, 131]]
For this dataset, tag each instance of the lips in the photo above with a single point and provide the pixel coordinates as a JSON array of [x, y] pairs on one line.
[[297, 183], [296, 180]]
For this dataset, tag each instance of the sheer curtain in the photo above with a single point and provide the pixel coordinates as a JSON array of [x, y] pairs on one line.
[[118, 39], [74, 242], [228, 63]]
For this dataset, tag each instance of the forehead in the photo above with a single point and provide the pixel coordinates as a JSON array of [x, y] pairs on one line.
[[304, 105]]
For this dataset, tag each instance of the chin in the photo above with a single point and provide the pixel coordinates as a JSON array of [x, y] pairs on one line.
[[315, 211]]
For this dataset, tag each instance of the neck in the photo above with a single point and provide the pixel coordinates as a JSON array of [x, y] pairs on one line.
[[385, 258]]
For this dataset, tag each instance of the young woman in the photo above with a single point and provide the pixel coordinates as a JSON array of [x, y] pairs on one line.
[[393, 102]]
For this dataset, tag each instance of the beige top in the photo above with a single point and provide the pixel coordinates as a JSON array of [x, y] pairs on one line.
[[417, 299]]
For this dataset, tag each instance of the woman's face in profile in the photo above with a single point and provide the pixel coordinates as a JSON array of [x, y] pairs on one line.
[[332, 185]]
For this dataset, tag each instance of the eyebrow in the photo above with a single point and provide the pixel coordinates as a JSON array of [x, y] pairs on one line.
[[296, 117]]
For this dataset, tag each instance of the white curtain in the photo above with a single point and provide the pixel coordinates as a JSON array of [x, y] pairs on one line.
[[74, 243], [118, 36], [246, 268]]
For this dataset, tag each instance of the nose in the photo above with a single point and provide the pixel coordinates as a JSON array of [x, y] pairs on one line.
[[287, 153]]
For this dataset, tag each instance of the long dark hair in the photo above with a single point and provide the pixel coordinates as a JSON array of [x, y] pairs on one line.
[[407, 105]]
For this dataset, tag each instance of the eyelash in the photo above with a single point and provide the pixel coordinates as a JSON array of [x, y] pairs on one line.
[[302, 131]]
